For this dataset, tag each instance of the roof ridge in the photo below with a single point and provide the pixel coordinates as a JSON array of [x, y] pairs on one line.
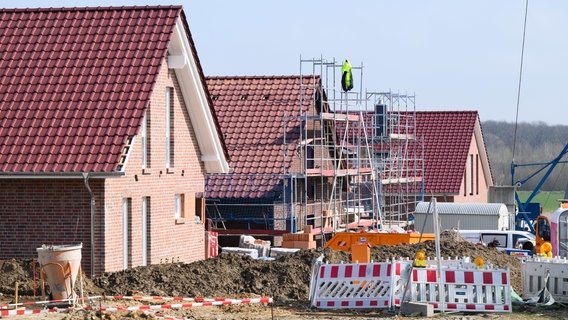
[[105, 8], [447, 111], [260, 76]]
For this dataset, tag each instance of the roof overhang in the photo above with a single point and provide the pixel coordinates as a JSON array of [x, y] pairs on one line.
[[59, 175], [181, 59]]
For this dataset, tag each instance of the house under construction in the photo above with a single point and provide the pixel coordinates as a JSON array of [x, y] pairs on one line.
[[305, 152]]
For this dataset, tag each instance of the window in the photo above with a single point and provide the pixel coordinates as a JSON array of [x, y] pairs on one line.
[[145, 230], [126, 234], [169, 127], [145, 135], [477, 175], [179, 206], [465, 183], [199, 209], [472, 174], [496, 240]]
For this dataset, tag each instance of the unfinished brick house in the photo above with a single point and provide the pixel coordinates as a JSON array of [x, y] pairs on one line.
[[257, 114], [287, 169], [106, 134]]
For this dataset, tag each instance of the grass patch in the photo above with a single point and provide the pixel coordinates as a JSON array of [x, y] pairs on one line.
[[548, 199]]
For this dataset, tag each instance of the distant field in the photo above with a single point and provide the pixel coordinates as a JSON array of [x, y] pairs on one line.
[[548, 200]]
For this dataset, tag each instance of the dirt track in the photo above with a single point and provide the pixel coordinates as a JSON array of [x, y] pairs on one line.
[[286, 280]]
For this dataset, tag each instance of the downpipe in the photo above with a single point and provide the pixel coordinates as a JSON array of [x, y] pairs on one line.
[[86, 181]]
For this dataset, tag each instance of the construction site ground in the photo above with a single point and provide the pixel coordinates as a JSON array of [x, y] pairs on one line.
[[286, 280]]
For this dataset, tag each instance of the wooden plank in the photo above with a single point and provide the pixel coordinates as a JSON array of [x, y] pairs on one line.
[[339, 116]]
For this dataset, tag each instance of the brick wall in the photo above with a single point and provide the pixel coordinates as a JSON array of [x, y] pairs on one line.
[[35, 212], [168, 239]]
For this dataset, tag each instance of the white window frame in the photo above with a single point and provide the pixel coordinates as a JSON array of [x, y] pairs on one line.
[[168, 126], [144, 136], [145, 230], [179, 206], [125, 217]]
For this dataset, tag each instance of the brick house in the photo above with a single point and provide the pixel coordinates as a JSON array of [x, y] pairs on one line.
[[106, 133], [263, 120], [456, 165]]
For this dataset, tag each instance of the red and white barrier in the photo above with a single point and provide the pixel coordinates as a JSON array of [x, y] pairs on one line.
[[182, 305], [211, 241], [156, 298], [23, 312], [197, 302], [28, 303], [465, 287], [352, 286]]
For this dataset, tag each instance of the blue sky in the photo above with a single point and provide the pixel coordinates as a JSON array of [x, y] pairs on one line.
[[453, 55]]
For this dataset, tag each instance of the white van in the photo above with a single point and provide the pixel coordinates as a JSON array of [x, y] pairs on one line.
[[512, 242]]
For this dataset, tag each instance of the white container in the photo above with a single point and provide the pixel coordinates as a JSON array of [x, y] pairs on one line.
[[60, 266]]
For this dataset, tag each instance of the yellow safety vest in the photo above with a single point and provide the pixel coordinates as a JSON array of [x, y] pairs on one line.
[[347, 77]]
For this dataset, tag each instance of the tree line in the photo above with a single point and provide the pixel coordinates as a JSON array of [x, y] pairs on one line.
[[534, 143]]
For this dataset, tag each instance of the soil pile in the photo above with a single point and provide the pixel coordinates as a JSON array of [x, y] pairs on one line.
[[230, 275]]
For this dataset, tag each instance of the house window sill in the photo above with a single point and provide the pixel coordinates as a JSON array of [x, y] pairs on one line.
[[180, 220]]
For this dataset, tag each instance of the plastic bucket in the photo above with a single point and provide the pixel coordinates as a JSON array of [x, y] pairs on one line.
[[60, 266]]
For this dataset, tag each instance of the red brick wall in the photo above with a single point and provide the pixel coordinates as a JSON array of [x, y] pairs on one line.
[[57, 211], [168, 238], [48, 211]]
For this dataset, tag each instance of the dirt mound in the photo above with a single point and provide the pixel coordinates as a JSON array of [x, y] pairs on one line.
[[226, 275], [231, 275], [287, 278]]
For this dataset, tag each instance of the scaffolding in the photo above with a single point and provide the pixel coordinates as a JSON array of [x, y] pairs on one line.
[[399, 156], [360, 160], [351, 161]]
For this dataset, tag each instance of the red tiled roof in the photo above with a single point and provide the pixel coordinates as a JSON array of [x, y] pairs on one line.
[[251, 111], [447, 136], [75, 83]]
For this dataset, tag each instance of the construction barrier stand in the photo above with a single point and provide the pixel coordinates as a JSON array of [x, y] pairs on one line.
[[352, 286], [211, 249], [383, 285], [534, 271]]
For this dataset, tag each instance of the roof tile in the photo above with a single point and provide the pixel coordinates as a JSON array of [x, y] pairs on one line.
[[446, 137], [253, 130], [61, 67]]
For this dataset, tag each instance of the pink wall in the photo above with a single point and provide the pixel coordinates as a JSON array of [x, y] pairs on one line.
[[474, 186]]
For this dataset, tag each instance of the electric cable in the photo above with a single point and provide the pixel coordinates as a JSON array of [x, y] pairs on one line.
[[520, 81]]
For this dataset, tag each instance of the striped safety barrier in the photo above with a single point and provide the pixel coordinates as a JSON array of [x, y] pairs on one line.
[[465, 287], [28, 303], [25, 312], [182, 305], [156, 298], [352, 286], [197, 302]]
